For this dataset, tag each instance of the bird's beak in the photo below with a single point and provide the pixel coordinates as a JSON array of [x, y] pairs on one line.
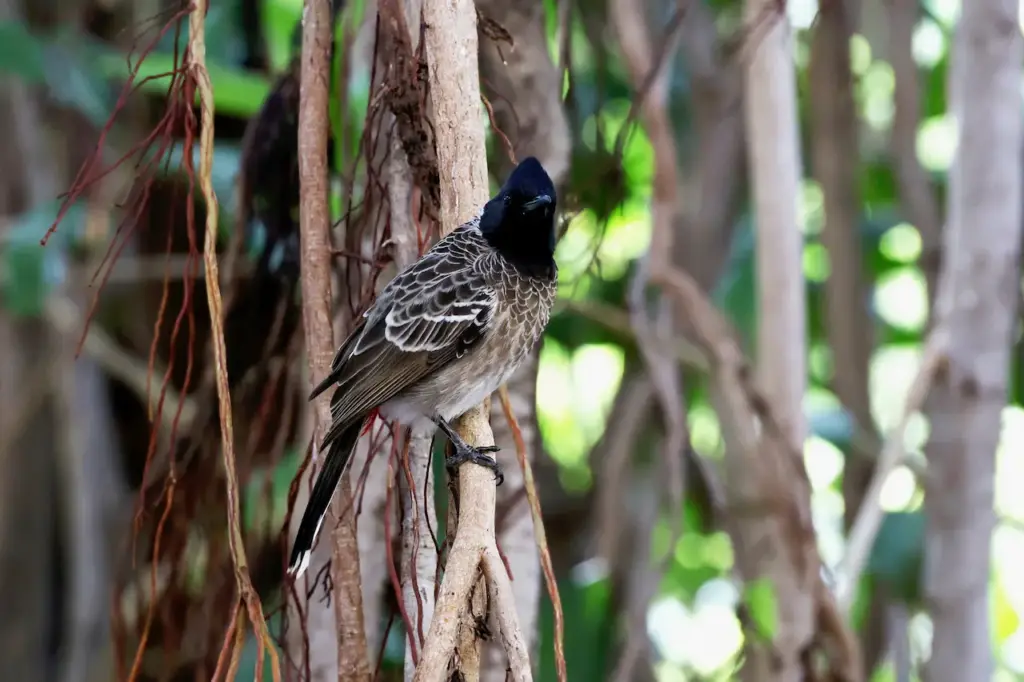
[[537, 202]]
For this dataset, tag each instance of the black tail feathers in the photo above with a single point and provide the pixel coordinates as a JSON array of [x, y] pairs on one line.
[[339, 456]]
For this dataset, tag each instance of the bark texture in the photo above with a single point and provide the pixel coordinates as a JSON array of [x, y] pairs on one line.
[[451, 46], [774, 158], [314, 225], [835, 157], [976, 307]]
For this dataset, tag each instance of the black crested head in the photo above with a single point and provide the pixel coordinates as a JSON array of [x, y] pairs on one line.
[[520, 220]]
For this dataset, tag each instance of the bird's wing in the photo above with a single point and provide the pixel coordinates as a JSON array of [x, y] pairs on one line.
[[429, 315]]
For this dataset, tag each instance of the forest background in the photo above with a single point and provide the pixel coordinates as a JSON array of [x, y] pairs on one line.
[[840, 181]]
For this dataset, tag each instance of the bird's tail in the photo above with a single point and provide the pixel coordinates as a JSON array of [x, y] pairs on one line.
[[339, 456]]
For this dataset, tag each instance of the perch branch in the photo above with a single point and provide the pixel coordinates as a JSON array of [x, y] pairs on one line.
[[314, 237], [451, 46], [197, 66]]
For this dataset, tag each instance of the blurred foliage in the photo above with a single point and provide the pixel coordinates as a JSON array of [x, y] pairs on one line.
[[583, 362]]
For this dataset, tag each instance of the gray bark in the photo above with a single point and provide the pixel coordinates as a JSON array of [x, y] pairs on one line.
[[976, 310]]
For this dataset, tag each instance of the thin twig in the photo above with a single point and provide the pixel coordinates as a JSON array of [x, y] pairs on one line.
[[869, 519], [538, 532], [131, 371], [197, 65]]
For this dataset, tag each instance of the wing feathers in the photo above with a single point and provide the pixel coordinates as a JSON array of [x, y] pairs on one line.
[[428, 315]]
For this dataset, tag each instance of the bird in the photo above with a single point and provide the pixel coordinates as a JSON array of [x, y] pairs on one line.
[[443, 335]]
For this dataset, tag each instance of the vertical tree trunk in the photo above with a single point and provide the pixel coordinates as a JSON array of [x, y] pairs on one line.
[[30, 600], [976, 308], [848, 323], [774, 156], [314, 221], [27, 528], [94, 495]]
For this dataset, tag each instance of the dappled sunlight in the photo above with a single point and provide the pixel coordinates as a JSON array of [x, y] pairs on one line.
[[887, 179], [892, 370], [929, 43], [705, 431], [899, 490], [574, 396], [936, 142], [703, 639], [901, 243], [876, 91], [901, 299]]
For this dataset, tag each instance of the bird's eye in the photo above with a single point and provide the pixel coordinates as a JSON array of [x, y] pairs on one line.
[[507, 199]]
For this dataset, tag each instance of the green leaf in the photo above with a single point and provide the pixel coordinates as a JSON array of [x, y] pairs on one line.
[[236, 92], [280, 18], [21, 52], [588, 630], [63, 63], [834, 425], [898, 553], [763, 604], [24, 288], [29, 270]]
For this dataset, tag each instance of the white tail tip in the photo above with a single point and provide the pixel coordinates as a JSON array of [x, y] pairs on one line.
[[298, 568]]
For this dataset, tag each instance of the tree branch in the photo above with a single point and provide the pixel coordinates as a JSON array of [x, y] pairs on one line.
[[977, 302], [869, 517], [653, 336], [920, 205], [314, 225], [849, 327], [451, 45]]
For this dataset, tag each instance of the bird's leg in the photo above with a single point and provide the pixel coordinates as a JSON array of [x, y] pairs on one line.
[[464, 452]]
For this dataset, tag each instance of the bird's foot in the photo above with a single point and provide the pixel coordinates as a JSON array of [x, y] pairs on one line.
[[476, 455]]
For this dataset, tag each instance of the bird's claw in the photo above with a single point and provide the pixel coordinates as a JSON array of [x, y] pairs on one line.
[[477, 456]]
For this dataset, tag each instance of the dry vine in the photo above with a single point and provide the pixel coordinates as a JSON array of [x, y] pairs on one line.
[[530, 485], [246, 593]]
